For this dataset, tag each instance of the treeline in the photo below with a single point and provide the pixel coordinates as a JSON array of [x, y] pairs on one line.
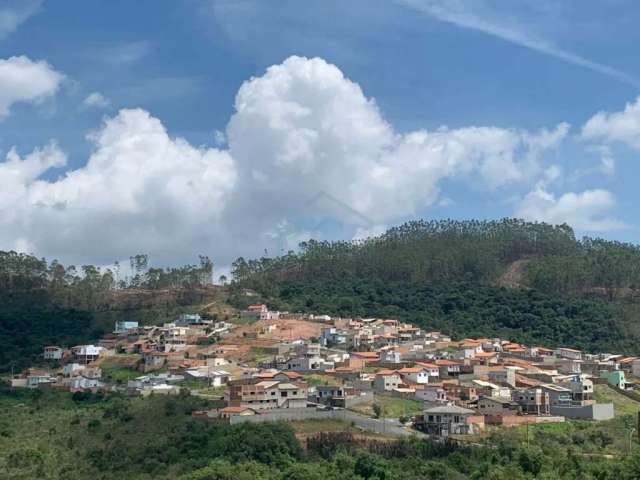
[[89, 286], [419, 251], [432, 251]]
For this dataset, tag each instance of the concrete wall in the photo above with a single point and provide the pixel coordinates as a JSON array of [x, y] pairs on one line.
[[597, 411], [388, 426]]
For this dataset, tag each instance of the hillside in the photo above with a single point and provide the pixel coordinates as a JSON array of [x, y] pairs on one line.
[[45, 303], [530, 282]]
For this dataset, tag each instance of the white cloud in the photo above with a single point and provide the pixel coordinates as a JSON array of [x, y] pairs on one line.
[[621, 126], [307, 153], [141, 190], [303, 128], [96, 100], [25, 80], [587, 211], [494, 18], [13, 13]]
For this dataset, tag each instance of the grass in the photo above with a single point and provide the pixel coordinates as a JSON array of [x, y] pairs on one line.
[[118, 372], [392, 407], [622, 405], [315, 379]]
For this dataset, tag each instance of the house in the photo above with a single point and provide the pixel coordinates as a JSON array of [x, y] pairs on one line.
[[448, 368], [569, 366], [124, 326], [445, 420], [418, 375], [568, 353], [256, 312], [433, 370], [33, 378], [386, 381], [229, 412], [188, 319], [432, 395], [267, 395], [80, 383], [503, 376], [86, 353], [53, 353], [533, 401], [331, 336], [558, 395], [497, 406], [208, 375], [581, 389], [391, 356], [154, 360], [615, 378]]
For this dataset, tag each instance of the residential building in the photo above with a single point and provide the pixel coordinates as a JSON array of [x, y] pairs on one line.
[[533, 401], [615, 378], [124, 326], [53, 353], [497, 406], [386, 381], [267, 395], [445, 420], [86, 353]]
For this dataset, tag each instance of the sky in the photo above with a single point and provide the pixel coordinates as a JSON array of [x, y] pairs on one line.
[[240, 128]]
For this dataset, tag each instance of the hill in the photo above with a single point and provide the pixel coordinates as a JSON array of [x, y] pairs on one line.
[[530, 282], [44, 303]]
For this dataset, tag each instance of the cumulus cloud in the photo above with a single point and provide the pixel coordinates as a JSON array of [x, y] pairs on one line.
[[589, 210], [311, 129], [25, 80], [623, 126], [96, 100], [307, 152], [141, 190]]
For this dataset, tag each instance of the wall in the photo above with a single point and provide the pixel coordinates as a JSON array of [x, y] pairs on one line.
[[388, 426], [597, 411]]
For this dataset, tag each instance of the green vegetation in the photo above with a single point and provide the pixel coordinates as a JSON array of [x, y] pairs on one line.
[[45, 303], [447, 275], [622, 405], [54, 435], [385, 406]]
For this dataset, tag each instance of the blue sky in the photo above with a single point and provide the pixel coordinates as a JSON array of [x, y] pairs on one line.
[[352, 117]]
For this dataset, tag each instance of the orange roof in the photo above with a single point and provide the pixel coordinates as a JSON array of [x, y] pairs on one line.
[[485, 354], [627, 360], [235, 409], [410, 370], [446, 363], [427, 364], [386, 372], [370, 355]]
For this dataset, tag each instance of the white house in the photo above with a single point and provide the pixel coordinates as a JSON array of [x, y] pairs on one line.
[[415, 374], [53, 353]]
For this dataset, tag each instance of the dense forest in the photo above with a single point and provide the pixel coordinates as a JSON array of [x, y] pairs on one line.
[[46, 303], [55, 435], [451, 275]]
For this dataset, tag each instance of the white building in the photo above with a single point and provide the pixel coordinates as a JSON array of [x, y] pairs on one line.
[[53, 353]]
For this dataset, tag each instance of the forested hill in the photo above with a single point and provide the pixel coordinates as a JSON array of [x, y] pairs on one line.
[[47, 303], [447, 275]]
